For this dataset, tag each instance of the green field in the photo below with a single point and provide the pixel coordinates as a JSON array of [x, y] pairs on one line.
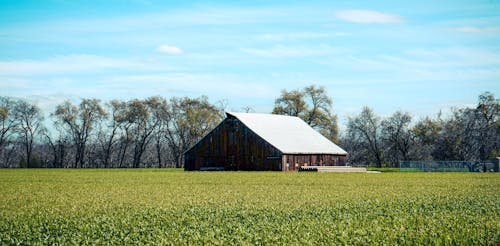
[[162, 206]]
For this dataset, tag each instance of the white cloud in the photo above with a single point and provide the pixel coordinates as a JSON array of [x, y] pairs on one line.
[[289, 51], [145, 29], [76, 64], [368, 17], [473, 29], [169, 50], [452, 57], [467, 65], [298, 36], [198, 84], [62, 64]]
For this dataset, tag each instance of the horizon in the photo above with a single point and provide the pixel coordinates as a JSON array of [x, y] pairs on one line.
[[422, 58]]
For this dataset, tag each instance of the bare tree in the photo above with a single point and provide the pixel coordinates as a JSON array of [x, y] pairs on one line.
[[58, 144], [488, 117], [365, 128], [156, 131], [426, 132], [30, 124], [144, 116], [248, 109], [125, 138], [471, 133], [159, 109], [188, 120], [397, 136], [8, 125], [79, 121], [109, 130]]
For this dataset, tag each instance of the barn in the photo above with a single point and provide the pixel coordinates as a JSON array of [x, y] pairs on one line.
[[262, 142]]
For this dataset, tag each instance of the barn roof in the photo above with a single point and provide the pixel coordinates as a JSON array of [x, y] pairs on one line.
[[291, 135]]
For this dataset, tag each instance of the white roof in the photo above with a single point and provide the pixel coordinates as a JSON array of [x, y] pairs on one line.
[[291, 135]]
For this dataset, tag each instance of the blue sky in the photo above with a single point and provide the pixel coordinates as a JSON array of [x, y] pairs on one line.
[[417, 56]]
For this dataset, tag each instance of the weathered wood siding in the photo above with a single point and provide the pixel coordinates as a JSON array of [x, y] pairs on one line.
[[235, 147], [292, 162]]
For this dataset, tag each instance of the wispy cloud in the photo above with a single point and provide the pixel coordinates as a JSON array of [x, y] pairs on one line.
[[60, 64], [368, 17], [72, 64], [299, 36], [169, 50], [456, 57], [49, 92], [161, 19], [197, 84], [475, 29], [48, 102], [279, 51], [452, 64]]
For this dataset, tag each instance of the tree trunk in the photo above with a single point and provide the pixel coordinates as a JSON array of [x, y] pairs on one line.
[[122, 157], [178, 163], [158, 150], [137, 158]]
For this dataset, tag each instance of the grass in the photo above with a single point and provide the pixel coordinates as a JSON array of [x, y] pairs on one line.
[[385, 169], [161, 206]]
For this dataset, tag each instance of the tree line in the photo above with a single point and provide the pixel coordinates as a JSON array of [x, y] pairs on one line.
[[469, 134], [155, 132]]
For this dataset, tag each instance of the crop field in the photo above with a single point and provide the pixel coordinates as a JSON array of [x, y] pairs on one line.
[[162, 206]]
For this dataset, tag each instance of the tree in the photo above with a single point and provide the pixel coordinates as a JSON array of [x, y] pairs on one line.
[[426, 132], [290, 103], [30, 124], [157, 131], [248, 109], [140, 130], [158, 107], [313, 105], [488, 116], [8, 125], [189, 119], [108, 133], [79, 121], [464, 126], [365, 129], [471, 133], [358, 153], [397, 136], [320, 114], [144, 117]]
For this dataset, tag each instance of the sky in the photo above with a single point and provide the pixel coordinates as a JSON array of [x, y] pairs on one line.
[[416, 56]]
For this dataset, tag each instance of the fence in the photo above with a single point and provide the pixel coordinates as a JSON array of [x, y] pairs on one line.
[[450, 166]]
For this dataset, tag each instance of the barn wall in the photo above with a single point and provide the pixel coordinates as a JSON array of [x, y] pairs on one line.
[[235, 147], [292, 162], [208, 152]]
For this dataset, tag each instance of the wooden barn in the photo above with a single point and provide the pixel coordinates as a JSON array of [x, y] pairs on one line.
[[262, 142]]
